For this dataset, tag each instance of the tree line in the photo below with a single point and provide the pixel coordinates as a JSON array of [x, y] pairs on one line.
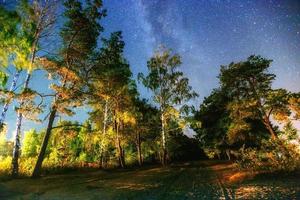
[[85, 73], [86, 69]]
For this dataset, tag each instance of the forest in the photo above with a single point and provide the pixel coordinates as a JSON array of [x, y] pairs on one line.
[[245, 123]]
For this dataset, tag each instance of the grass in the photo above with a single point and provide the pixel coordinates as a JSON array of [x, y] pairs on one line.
[[193, 180]]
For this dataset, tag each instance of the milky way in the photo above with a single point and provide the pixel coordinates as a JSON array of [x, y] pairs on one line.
[[212, 33]]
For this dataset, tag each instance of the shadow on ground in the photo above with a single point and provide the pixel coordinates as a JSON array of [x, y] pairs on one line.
[[194, 180]]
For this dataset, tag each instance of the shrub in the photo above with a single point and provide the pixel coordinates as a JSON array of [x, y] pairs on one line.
[[274, 155], [5, 165], [26, 166]]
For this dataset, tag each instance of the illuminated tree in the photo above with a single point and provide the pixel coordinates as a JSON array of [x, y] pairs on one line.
[[146, 126], [31, 143], [294, 104], [36, 19], [248, 83], [171, 90], [112, 92], [15, 46], [79, 37]]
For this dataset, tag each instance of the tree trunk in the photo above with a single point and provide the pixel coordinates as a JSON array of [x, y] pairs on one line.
[[39, 162], [5, 107], [103, 134], [120, 153], [119, 147], [16, 151], [163, 135], [139, 149], [17, 144], [269, 127]]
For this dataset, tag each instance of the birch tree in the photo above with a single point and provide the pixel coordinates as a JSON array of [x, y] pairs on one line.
[[36, 19], [113, 91], [14, 49], [170, 89]]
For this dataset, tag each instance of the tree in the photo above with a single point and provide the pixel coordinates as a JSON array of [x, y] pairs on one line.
[[6, 147], [36, 18], [64, 142], [213, 119], [248, 83], [79, 37], [294, 104], [146, 126], [170, 90], [15, 46], [113, 92], [31, 143]]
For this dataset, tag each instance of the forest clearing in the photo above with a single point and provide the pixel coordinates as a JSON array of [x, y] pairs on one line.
[[135, 99]]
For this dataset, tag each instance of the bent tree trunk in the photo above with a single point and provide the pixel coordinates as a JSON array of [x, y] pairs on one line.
[[270, 128], [17, 144], [5, 107], [39, 162]]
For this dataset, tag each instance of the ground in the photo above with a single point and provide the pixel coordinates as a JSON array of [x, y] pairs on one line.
[[192, 180]]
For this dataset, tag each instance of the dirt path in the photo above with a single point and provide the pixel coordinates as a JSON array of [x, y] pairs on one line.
[[199, 180]]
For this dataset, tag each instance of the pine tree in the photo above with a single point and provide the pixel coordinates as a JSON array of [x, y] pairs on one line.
[[36, 17], [79, 35], [113, 91]]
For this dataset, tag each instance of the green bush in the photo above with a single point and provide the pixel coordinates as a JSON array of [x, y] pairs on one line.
[[5, 165], [274, 155]]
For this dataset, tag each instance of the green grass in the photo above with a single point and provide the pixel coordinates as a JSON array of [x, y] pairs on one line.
[[198, 180]]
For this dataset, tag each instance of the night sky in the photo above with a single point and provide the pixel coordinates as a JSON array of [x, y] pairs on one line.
[[207, 34]]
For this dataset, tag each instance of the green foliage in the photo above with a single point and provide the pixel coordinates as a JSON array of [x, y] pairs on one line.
[[248, 84], [168, 84], [274, 155], [5, 165], [6, 147], [15, 37], [239, 113], [289, 132], [3, 80], [122, 128], [171, 91], [31, 143], [214, 119]]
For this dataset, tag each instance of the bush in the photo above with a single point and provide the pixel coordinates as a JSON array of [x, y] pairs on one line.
[[26, 166], [274, 155], [5, 165]]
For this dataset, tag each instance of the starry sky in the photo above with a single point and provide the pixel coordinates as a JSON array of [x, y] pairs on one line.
[[207, 34]]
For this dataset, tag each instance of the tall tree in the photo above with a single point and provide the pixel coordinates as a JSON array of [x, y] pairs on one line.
[[113, 91], [170, 89], [248, 83], [36, 18], [79, 36], [15, 46], [146, 126], [213, 118]]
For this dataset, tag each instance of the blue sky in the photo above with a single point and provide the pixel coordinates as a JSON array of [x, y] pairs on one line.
[[206, 33]]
